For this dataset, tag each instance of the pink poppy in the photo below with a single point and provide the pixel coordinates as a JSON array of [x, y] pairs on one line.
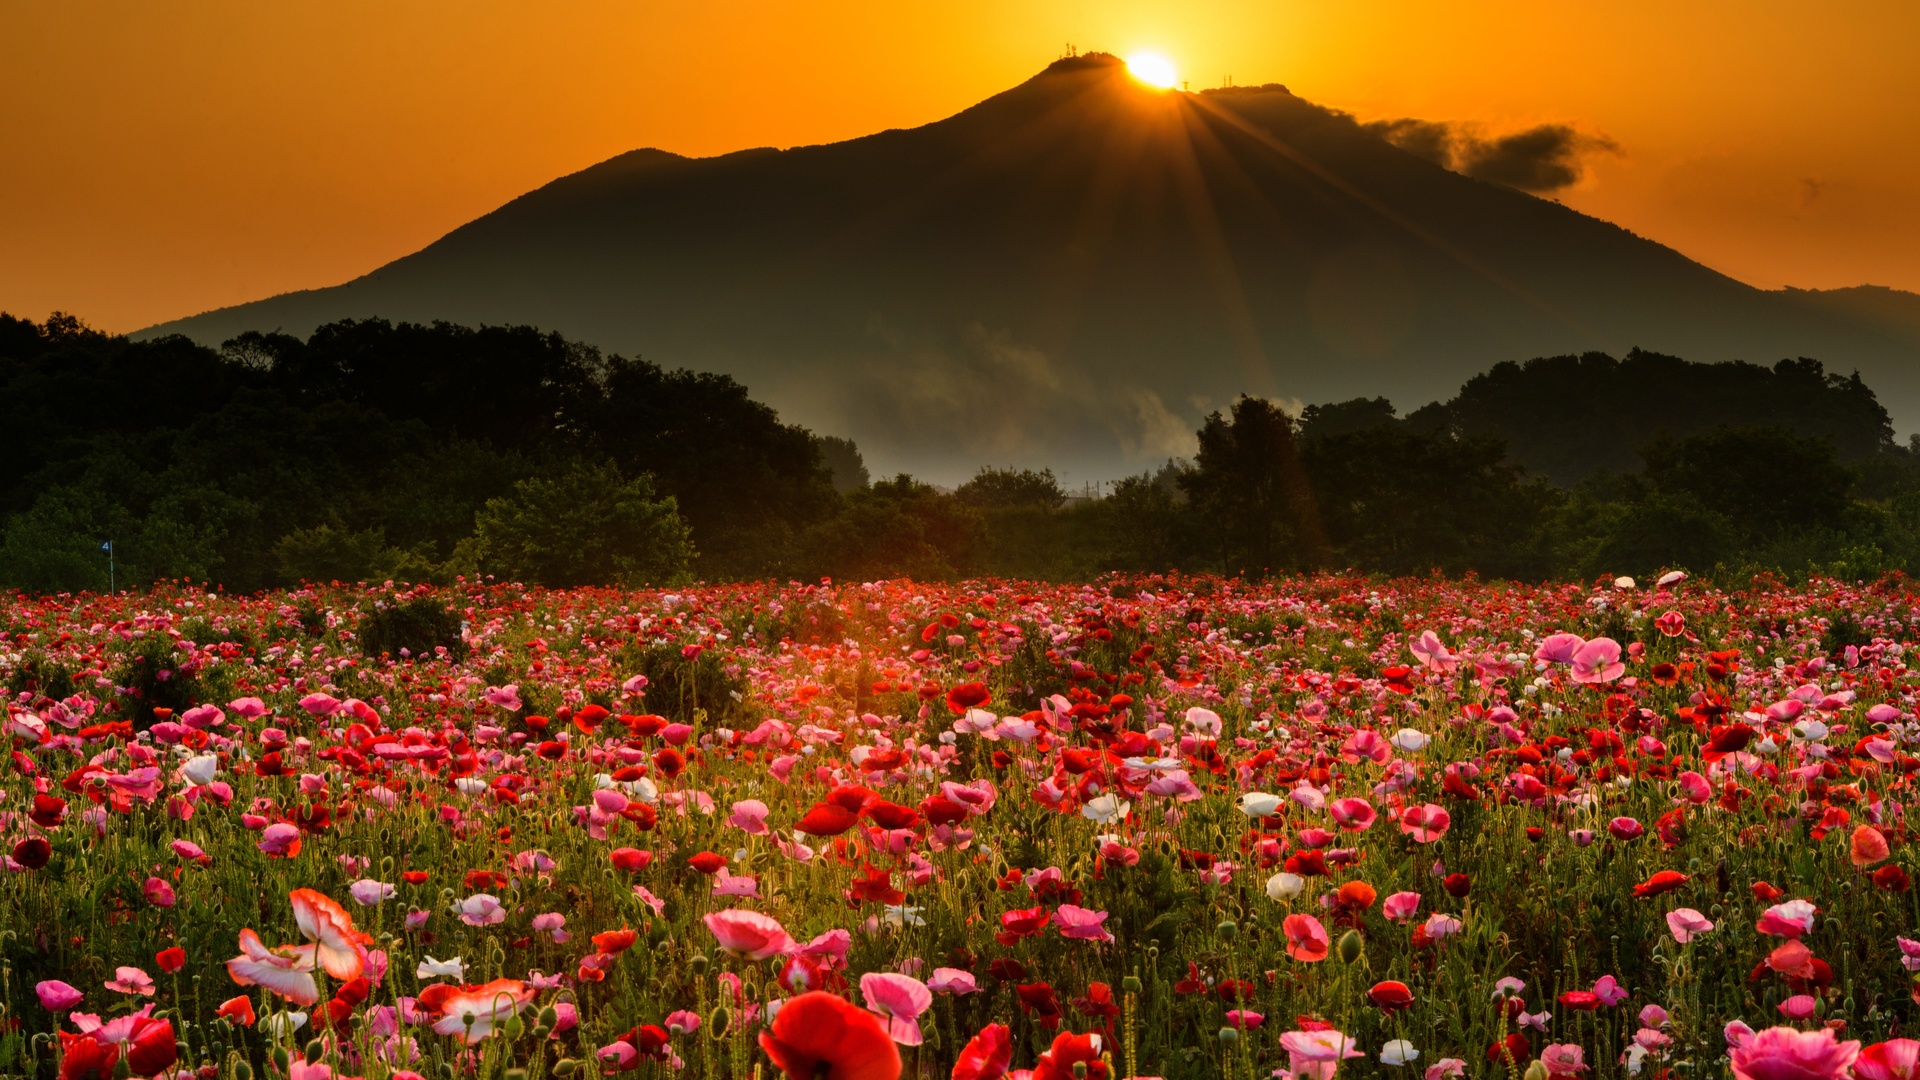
[[56, 995], [1686, 923], [1430, 651], [899, 1000], [1353, 815], [1597, 661], [749, 933], [953, 981], [131, 980], [158, 892], [750, 816], [1307, 939], [1081, 925], [1788, 920], [554, 924], [1781, 1053], [1564, 1059], [1559, 648], [1401, 906], [1314, 1055], [1425, 824], [281, 840]]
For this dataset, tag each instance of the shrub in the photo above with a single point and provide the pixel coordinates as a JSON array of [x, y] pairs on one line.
[[585, 526], [418, 626]]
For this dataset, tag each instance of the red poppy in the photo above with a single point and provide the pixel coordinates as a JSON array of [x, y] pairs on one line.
[[1098, 1001], [1233, 990], [876, 886], [33, 853], [967, 696], [1020, 923], [1007, 969], [237, 1010], [826, 819], [941, 810], [171, 960], [1390, 996], [1580, 1000], [632, 860], [151, 1049], [1891, 878], [1355, 896], [86, 1058], [1766, 893], [892, 816], [986, 1055], [1457, 884], [414, 877], [1663, 882], [1193, 983], [615, 942], [1514, 1045], [669, 761], [1067, 1051], [588, 719], [818, 1036], [48, 811], [706, 862], [1039, 1001]]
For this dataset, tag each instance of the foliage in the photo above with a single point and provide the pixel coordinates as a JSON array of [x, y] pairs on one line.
[[418, 625], [585, 526]]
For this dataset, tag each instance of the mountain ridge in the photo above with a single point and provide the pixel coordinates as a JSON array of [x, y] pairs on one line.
[[1072, 272]]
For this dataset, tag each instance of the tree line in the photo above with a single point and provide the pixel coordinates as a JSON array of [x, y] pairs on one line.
[[372, 450]]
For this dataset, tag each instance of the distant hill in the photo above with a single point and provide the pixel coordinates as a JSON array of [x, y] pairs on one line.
[[1073, 272]]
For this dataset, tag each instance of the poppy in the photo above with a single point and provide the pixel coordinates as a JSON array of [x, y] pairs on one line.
[[986, 1055], [825, 819], [1457, 885], [967, 696], [1663, 882], [1514, 1046], [1390, 996], [34, 853], [1039, 1001], [615, 942], [171, 960], [706, 862], [632, 860], [1891, 878]]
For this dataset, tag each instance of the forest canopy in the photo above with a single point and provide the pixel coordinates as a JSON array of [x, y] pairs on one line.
[[372, 450]]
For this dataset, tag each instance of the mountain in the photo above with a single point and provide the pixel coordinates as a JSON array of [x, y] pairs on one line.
[[1074, 271]]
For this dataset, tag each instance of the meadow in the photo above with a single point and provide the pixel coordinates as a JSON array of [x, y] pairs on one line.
[[1159, 826]]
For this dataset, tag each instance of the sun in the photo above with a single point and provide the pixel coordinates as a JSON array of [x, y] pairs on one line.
[[1152, 69]]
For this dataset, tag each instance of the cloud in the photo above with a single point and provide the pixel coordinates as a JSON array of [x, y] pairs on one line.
[[1540, 159]]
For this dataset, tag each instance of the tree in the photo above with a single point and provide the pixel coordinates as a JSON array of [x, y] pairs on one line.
[[1248, 485], [585, 526], [1010, 487], [842, 460]]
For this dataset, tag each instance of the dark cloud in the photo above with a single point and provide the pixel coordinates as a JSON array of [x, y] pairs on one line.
[[1429, 139], [1539, 159]]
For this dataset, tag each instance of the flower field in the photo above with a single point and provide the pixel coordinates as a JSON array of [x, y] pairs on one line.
[[1173, 827]]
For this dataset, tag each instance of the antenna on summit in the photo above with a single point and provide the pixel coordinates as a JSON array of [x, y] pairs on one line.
[[1071, 52]]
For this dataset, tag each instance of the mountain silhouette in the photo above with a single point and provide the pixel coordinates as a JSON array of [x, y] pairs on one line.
[[1073, 272]]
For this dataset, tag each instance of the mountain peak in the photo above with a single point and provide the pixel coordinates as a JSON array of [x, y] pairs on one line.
[[1074, 272]]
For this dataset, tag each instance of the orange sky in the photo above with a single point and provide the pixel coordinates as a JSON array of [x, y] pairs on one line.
[[161, 159]]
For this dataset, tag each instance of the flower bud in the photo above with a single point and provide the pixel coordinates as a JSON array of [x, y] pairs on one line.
[[280, 1060], [717, 1023], [514, 1027], [315, 1051], [1131, 984], [549, 1017], [564, 1067], [1351, 946], [1226, 930], [242, 1071], [1229, 1035], [1536, 1070]]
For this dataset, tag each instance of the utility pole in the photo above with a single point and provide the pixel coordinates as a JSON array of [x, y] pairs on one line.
[[112, 586]]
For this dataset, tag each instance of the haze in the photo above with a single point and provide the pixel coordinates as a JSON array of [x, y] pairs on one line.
[[163, 161]]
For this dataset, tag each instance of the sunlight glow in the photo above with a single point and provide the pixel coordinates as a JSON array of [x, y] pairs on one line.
[[1152, 69]]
